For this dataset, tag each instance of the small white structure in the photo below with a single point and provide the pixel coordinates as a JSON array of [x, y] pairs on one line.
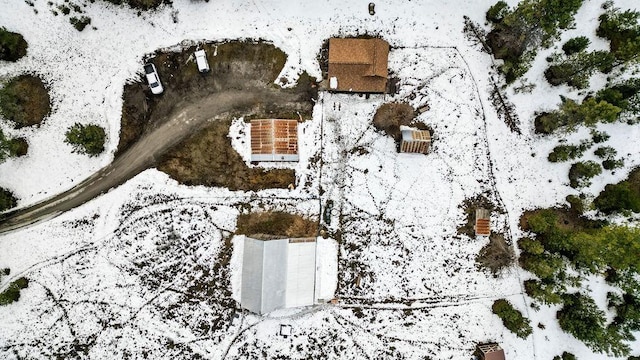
[[333, 83], [278, 274], [201, 60]]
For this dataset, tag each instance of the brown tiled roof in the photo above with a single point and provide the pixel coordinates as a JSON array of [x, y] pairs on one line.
[[360, 65], [277, 138]]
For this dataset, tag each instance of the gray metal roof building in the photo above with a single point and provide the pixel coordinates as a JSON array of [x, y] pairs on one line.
[[278, 274]]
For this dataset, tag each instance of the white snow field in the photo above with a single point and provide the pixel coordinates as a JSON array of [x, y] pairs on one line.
[[150, 269]]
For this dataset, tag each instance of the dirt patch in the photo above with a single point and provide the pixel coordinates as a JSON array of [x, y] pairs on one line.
[[237, 65], [496, 255], [25, 101], [390, 116], [469, 207], [278, 224], [207, 158]]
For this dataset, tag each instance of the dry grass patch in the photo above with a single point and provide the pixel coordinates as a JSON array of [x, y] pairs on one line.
[[276, 223], [496, 255], [25, 101]]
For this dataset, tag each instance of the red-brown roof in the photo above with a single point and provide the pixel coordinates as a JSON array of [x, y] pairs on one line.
[[274, 140], [483, 223], [359, 65]]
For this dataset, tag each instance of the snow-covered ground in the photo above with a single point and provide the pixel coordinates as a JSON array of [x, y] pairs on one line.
[[137, 272]]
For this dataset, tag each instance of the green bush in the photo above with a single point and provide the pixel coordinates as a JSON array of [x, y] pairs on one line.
[[512, 318], [605, 152], [575, 45], [599, 136], [86, 139], [531, 246], [80, 23], [12, 293], [12, 45], [622, 29], [575, 204], [7, 200], [562, 153], [565, 356], [581, 172], [546, 292], [618, 197], [611, 164], [575, 70], [571, 114], [12, 147], [497, 12]]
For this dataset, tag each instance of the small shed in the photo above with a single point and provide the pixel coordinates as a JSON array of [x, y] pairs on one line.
[[274, 140], [358, 65], [490, 351], [483, 223], [415, 141]]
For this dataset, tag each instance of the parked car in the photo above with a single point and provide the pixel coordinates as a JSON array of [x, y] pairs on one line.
[[201, 60], [153, 79]]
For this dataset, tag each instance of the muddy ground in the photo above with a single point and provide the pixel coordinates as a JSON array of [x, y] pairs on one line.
[[206, 157]]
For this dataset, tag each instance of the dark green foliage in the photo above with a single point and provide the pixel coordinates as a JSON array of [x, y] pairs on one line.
[[7, 200], [627, 308], [12, 147], [622, 29], [546, 292], [141, 4], [64, 9], [512, 318], [568, 152], [497, 12], [581, 172], [86, 139], [80, 23], [599, 136], [571, 114], [625, 95], [611, 164], [618, 197], [565, 356], [605, 152], [12, 45], [518, 32], [576, 69], [12, 293], [581, 318], [575, 204], [575, 45]]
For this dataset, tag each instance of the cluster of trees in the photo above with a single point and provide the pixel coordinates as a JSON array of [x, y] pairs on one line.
[[512, 318], [570, 114], [517, 33], [12, 45], [576, 65], [142, 4], [86, 139], [562, 153], [586, 247]]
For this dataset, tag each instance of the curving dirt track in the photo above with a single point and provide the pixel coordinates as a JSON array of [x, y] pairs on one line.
[[144, 153]]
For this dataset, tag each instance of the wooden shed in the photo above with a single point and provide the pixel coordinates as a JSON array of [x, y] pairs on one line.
[[415, 141], [274, 140], [490, 351], [483, 223], [358, 65]]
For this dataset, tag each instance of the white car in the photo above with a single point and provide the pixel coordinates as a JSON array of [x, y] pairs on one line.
[[153, 79], [201, 60]]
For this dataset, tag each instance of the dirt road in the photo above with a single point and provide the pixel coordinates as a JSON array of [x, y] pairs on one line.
[[143, 154]]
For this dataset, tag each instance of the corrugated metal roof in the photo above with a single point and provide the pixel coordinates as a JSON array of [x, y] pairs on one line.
[[274, 140], [483, 223], [359, 65], [278, 274]]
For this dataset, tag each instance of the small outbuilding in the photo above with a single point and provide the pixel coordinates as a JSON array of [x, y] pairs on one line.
[[415, 141], [278, 274], [483, 223], [490, 351], [274, 140], [358, 65]]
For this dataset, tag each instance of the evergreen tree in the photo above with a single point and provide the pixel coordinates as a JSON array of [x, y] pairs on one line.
[[86, 139]]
